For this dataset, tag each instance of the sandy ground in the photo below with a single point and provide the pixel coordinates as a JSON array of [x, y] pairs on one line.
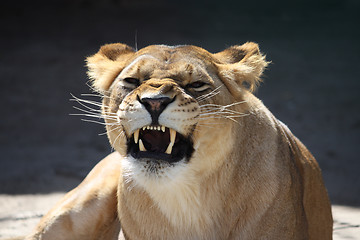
[[312, 85], [20, 213]]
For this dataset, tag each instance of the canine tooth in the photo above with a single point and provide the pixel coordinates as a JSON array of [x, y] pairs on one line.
[[141, 146], [143, 128], [136, 136], [169, 148], [172, 141], [172, 135], [163, 128]]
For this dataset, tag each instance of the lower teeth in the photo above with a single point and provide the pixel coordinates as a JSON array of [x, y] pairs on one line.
[[169, 148], [141, 146]]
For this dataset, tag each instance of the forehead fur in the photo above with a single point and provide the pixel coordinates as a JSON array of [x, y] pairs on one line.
[[178, 63], [175, 53], [238, 67]]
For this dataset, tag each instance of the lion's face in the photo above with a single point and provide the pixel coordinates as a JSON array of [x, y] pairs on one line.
[[168, 107]]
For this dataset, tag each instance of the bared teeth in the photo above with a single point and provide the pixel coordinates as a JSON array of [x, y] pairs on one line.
[[141, 146], [136, 136], [172, 135], [154, 128], [172, 141]]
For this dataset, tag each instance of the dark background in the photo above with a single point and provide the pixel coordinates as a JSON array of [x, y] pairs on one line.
[[312, 84]]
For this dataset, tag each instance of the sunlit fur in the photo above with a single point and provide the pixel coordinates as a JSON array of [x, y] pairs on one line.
[[249, 177]]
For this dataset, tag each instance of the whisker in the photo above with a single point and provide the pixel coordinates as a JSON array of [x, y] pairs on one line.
[[118, 137], [109, 131], [235, 103], [101, 123], [206, 108], [91, 95], [220, 116], [99, 114], [221, 113], [209, 95], [215, 110], [87, 111], [79, 100], [86, 115], [91, 110], [85, 106], [95, 90], [221, 106], [93, 116], [232, 119]]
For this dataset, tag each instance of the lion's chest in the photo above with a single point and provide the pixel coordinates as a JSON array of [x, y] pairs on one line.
[[172, 208]]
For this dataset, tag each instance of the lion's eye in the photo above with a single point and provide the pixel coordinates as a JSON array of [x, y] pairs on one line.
[[133, 81], [198, 86]]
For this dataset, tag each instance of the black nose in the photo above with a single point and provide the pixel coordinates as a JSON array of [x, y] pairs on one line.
[[155, 106]]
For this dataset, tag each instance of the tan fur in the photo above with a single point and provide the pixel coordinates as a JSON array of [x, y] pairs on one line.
[[249, 177]]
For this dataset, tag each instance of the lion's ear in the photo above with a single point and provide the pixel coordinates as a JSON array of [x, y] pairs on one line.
[[241, 67], [106, 64]]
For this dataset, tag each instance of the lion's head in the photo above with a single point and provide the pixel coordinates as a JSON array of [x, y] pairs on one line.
[[170, 108]]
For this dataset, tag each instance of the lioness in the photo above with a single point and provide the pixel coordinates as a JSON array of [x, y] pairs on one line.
[[198, 156]]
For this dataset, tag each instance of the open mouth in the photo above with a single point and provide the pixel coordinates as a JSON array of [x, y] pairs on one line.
[[159, 143]]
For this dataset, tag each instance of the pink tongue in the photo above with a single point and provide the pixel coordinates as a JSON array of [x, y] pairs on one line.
[[156, 141]]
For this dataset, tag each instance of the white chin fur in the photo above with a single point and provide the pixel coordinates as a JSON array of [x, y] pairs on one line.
[[148, 175], [173, 187]]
